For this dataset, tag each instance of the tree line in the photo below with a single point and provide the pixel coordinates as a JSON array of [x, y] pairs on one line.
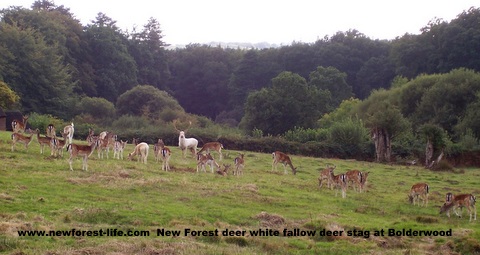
[[51, 64]]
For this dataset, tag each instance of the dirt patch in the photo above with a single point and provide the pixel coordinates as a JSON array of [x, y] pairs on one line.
[[7, 197], [270, 220]]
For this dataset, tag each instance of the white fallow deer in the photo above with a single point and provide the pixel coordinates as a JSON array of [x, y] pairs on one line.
[[239, 165], [340, 182], [51, 131], [58, 145], [417, 192], [19, 125], [326, 175], [118, 149], [44, 141], [205, 159], [280, 157], [83, 151], [459, 201], [186, 143], [19, 138], [141, 150], [69, 130], [212, 146]]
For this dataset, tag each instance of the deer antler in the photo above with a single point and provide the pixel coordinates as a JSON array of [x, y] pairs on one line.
[[175, 125]]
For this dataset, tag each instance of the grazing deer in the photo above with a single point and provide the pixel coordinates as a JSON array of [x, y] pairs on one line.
[[142, 151], [417, 192], [19, 125], [19, 138], [57, 145], [165, 154], [459, 201], [157, 148], [43, 141], [214, 146], [205, 159], [357, 179], [51, 131], [186, 143], [327, 175], [69, 130], [118, 149], [223, 172], [280, 157], [239, 165], [83, 151], [340, 182]]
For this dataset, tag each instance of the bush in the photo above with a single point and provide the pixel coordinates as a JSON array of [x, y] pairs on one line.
[[41, 121]]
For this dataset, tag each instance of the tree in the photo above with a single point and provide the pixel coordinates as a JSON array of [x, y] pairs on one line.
[[435, 140], [333, 80], [115, 69], [37, 73], [97, 107], [288, 103], [146, 100], [147, 48], [8, 97], [385, 121]]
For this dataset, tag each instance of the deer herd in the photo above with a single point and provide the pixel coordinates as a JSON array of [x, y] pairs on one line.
[[355, 179]]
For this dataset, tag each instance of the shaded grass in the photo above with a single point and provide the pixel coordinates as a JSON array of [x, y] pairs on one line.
[[38, 192]]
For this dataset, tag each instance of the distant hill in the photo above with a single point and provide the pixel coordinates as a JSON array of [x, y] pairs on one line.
[[234, 45]]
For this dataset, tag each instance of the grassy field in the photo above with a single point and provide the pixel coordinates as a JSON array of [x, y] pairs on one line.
[[39, 193]]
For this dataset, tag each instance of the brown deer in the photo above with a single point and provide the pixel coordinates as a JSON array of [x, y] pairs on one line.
[[417, 192], [280, 157]]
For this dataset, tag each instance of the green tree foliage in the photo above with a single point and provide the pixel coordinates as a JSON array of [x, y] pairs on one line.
[[147, 101], [385, 121], [351, 136], [37, 73], [147, 48], [115, 69], [97, 107], [440, 99], [331, 79], [200, 76], [289, 102], [8, 97], [344, 111]]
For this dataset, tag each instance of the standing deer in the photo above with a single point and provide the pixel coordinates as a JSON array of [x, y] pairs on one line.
[[327, 175], [19, 138], [165, 154], [205, 159], [51, 131], [69, 130], [44, 141], [118, 149], [280, 157], [239, 164], [19, 125], [186, 143], [83, 151]]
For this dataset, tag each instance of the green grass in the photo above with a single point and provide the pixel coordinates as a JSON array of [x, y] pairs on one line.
[[38, 192]]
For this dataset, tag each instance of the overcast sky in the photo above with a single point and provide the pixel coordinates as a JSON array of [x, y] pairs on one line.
[[279, 22]]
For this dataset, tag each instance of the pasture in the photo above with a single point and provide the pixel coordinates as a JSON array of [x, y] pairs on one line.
[[40, 193]]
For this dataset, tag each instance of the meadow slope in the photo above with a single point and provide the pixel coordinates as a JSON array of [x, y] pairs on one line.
[[39, 193]]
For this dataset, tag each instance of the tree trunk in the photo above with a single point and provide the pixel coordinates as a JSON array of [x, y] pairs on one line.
[[383, 147], [428, 153]]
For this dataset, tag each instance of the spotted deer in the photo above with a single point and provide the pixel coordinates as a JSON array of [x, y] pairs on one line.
[[460, 201], [239, 165], [83, 151], [280, 157], [326, 175], [417, 192]]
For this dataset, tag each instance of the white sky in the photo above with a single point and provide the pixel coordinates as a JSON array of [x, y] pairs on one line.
[[273, 21]]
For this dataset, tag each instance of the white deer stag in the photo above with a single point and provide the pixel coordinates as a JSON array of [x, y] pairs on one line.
[[69, 130], [186, 143]]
